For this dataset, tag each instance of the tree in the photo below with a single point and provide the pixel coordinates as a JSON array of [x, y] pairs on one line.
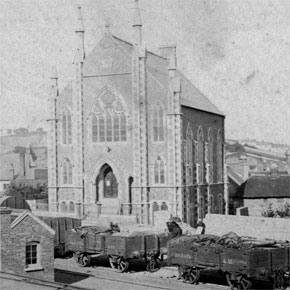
[[28, 192]]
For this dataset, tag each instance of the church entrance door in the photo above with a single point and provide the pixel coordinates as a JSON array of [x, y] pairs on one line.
[[107, 190]]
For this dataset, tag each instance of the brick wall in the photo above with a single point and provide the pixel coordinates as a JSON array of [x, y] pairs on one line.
[[5, 221], [13, 253]]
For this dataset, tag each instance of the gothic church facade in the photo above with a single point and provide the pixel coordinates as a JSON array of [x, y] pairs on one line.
[[130, 135]]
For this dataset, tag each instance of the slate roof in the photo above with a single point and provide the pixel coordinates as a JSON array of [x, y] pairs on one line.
[[234, 175], [266, 185], [157, 69]]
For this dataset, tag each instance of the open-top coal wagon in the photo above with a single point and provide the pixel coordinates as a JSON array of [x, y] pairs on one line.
[[61, 225], [150, 247], [120, 248], [241, 263]]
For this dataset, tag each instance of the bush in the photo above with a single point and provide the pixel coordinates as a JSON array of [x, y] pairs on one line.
[[282, 211], [28, 192]]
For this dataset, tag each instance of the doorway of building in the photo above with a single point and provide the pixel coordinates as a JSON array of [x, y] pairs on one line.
[[107, 190]]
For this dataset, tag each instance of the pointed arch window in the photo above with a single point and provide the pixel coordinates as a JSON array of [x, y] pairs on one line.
[[66, 172], [66, 127], [200, 156], [159, 172], [220, 203], [189, 155], [219, 157], [201, 207], [209, 157], [211, 204], [158, 123]]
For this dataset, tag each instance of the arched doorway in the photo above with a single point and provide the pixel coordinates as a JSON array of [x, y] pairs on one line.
[[107, 190]]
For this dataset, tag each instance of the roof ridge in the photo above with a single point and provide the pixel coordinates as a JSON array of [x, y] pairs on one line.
[[29, 213]]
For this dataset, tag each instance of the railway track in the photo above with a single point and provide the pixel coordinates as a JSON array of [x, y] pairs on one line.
[[98, 280], [37, 282]]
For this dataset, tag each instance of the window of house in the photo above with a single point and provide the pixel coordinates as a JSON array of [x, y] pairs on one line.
[[158, 124], [219, 157], [159, 173], [32, 256], [66, 127], [67, 172]]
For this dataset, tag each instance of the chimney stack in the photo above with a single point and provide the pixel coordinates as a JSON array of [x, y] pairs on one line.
[[167, 51], [243, 161], [11, 171], [5, 220], [287, 153]]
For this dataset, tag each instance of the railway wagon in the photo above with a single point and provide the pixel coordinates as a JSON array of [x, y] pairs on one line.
[[121, 249], [85, 246], [240, 266], [61, 225]]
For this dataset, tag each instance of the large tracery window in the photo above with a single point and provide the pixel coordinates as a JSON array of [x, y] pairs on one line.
[[66, 172], [66, 127], [219, 157], [158, 123], [108, 120], [159, 172]]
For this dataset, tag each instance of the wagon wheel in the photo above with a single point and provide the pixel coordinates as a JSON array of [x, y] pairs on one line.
[[76, 256], [280, 280], [244, 283], [189, 275], [241, 282], [153, 264], [84, 260], [119, 263]]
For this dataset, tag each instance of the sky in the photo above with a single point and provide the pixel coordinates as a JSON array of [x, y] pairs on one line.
[[236, 52]]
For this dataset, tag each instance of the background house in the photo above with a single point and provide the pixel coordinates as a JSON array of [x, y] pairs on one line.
[[23, 158], [266, 189]]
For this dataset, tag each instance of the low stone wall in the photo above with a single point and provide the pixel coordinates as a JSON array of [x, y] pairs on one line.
[[259, 227], [258, 206]]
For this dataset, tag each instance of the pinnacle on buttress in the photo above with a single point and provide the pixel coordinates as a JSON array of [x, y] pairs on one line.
[[108, 24], [137, 21], [80, 24], [137, 24], [53, 73]]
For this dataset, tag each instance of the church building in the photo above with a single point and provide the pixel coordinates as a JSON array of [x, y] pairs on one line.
[[131, 135]]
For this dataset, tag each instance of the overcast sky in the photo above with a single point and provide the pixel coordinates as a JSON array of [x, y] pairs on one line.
[[236, 52]]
